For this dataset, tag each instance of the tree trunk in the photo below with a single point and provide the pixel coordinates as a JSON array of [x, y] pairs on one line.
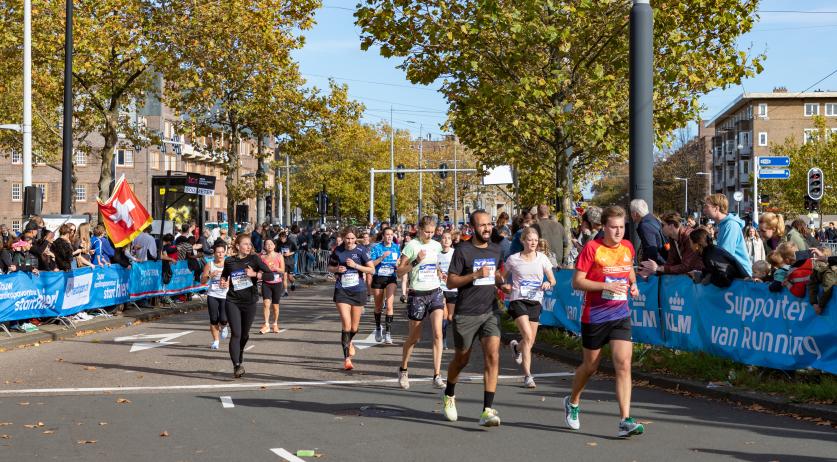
[[111, 139], [231, 178], [260, 189], [564, 191]]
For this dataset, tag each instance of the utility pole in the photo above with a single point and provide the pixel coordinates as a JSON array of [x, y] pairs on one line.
[[392, 217], [421, 166], [641, 104], [288, 189], [27, 90], [455, 186]]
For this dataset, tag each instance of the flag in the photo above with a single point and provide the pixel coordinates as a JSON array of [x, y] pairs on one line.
[[123, 215]]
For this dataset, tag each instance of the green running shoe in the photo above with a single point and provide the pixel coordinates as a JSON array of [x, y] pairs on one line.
[[629, 426]]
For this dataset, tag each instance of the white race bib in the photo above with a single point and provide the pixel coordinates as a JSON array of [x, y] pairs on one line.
[[427, 273], [386, 270], [492, 265], [531, 290], [608, 295], [349, 280], [240, 280]]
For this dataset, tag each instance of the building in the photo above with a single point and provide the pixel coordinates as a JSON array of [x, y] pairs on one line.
[[747, 126]]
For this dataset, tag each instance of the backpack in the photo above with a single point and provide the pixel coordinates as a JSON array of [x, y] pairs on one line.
[[798, 278]]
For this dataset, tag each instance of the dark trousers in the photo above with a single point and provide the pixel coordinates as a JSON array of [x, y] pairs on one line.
[[240, 318]]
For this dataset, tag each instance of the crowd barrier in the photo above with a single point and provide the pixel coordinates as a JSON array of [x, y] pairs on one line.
[[745, 322], [61, 294]]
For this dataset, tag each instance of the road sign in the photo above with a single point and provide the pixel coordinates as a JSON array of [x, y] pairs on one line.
[[774, 161], [738, 196], [774, 173]]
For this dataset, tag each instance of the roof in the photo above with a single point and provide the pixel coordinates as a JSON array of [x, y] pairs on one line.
[[744, 97]]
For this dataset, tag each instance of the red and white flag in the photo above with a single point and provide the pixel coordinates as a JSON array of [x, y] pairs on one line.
[[123, 215]]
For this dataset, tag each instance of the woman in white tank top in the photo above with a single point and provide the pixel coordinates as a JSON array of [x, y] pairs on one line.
[[216, 299]]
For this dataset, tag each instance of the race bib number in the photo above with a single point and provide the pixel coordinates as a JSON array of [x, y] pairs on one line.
[[286, 250], [608, 295], [240, 280], [386, 270], [350, 280], [531, 290], [427, 273], [485, 262]]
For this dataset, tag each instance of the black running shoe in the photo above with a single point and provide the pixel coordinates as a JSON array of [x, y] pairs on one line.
[[239, 372]]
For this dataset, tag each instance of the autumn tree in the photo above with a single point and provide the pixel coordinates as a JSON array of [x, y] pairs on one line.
[[529, 81]]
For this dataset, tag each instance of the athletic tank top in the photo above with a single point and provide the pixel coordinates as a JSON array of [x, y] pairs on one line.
[[215, 289], [273, 264]]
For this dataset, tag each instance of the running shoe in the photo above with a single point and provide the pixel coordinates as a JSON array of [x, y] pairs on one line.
[[403, 379], [489, 418], [403, 299], [214, 345], [347, 364], [449, 407], [629, 426], [518, 356], [388, 338], [571, 415], [225, 332], [352, 350], [286, 294], [293, 286], [238, 372], [438, 382], [529, 382], [379, 334]]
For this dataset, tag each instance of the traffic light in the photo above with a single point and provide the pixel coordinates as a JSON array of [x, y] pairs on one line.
[[335, 207], [444, 170], [815, 184], [400, 175], [323, 203]]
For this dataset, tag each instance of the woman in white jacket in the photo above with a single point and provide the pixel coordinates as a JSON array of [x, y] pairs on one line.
[[754, 244]]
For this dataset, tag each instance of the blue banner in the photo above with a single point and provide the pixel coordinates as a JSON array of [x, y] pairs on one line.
[[745, 322], [50, 294]]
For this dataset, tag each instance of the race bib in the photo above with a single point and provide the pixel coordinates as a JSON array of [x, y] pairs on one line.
[[531, 290], [608, 295], [427, 273], [286, 250], [492, 265], [350, 280], [386, 270], [240, 280]]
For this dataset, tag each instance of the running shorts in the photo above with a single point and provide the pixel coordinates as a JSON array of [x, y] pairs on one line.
[[595, 336], [466, 328], [354, 298], [381, 282], [422, 302], [531, 308], [272, 292]]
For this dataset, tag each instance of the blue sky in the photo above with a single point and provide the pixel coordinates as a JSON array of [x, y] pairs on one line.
[[799, 48]]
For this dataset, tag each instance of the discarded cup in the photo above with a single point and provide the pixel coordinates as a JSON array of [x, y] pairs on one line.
[[305, 453]]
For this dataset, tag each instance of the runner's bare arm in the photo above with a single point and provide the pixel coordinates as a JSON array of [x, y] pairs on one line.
[[404, 265]]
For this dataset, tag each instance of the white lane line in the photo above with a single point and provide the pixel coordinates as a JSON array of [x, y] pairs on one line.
[[249, 347], [281, 330], [286, 455], [249, 386], [227, 402], [369, 341]]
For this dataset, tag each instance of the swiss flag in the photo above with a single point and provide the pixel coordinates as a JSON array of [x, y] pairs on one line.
[[123, 214]]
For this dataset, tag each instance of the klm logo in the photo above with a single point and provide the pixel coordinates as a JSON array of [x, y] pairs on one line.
[[640, 317], [676, 321]]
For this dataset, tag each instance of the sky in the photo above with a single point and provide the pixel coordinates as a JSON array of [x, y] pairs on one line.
[[796, 35]]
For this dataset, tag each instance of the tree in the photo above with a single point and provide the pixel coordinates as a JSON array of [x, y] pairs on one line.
[[819, 150], [526, 80]]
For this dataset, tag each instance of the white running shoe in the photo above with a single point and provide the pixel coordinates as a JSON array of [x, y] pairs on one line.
[[529, 381], [214, 345], [489, 418], [449, 407], [225, 332], [571, 414], [403, 379], [518, 356], [379, 334], [388, 339], [438, 382]]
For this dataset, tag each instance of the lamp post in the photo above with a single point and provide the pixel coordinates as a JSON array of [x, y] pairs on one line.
[[686, 201]]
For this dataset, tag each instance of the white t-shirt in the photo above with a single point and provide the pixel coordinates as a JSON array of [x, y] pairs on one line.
[[444, 264], [527, 276]]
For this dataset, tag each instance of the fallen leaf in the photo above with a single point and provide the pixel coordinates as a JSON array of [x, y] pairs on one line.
[[24, 403], [749, 442], [49, 432], [102, 424], [543, 398], [123, 401], [164, 434], [40, 424], [5, 437], [296, 388], [5, 424], [60, 360], [90, 368], [318, 455], [86, 441], [592, 444], [28, 426]]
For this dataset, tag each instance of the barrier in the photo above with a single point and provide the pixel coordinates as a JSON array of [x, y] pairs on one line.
[[60, 294], [745, 322]]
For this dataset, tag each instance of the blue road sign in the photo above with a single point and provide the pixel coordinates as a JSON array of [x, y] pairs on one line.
[[774, 161], [774, 173]]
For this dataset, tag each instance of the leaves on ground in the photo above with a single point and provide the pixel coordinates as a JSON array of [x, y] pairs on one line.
[[36, 425], [5, 437], [164, 434], [23, 403], [6, 424], [86, 441], [90, 368], [102, 424], [123, 401], [48, 432], [592, 444]]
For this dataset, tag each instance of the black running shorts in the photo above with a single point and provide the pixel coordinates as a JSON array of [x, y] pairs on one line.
[[595, 336]]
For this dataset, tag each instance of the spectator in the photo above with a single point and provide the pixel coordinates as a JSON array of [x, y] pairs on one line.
[[62, 248], [6, 264], [521, 222], [550, 230], [82, 247], [799, 234], [203, 241], [761, 271], [730, 229], [543, 247], [782, 259], [822, 282], [754, 244], [102, 250], [720, 267], [6, 237], [691, 223], [437, 234], [772, 230], [831, 232], [22, 256], [652, 241], [502, 225], [682, 258], [257, 239], [591, 225]]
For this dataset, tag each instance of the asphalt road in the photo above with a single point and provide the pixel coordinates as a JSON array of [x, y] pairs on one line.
[[172, 399]]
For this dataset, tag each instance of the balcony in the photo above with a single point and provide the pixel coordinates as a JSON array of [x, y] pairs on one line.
[[731, 157]]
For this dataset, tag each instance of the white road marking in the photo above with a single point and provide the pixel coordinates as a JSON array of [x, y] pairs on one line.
[[286, 455], [161, 340], [367, 342], [249, 347], [249, 386], [227, 402]]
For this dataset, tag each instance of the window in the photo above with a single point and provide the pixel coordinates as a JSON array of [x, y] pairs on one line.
[[154, 159], [812, 109], [43, 188], [38, 158], [17, 192], [762, 138], [809, 134], [17, 157], [831, 109], [16, 226], [762, 109], [124, 158], [81, 192], [744, 139], [745, 167], [80, 158]]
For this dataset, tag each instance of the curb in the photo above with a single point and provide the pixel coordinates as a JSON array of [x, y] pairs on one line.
[[737, 396], [53, 332]]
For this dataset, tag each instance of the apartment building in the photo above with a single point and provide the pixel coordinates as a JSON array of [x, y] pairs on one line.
[[745, 129]]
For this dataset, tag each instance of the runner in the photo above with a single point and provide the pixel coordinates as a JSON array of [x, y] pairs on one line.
[[288, 249], [474, 271], [272, 290], [420, 258], [240, 274], [604, 271], [384, 256], [347, 262], [365, 243], [450, 294], [216, 296], [526, 271]]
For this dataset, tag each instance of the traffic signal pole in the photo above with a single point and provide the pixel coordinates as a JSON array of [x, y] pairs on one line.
[[641, 124], [393, 171]]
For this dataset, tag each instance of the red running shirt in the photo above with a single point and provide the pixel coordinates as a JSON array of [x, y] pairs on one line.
[[605, 264]]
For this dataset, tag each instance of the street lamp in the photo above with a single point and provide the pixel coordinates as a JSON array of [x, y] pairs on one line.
[[686, 201]]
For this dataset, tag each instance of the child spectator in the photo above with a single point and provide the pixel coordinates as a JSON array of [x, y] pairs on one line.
[[761, 271], [821, 283], [782, 259], [719, 266]]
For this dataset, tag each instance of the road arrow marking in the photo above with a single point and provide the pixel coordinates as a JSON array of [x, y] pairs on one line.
[[159, 340], [227, 402], [366, 343], [286, 455]]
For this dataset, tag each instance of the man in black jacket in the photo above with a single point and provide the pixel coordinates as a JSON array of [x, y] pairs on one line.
[[653, 243]]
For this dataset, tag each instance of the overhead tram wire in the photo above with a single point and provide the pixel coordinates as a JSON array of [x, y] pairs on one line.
[[389, 84], [818, 82]]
